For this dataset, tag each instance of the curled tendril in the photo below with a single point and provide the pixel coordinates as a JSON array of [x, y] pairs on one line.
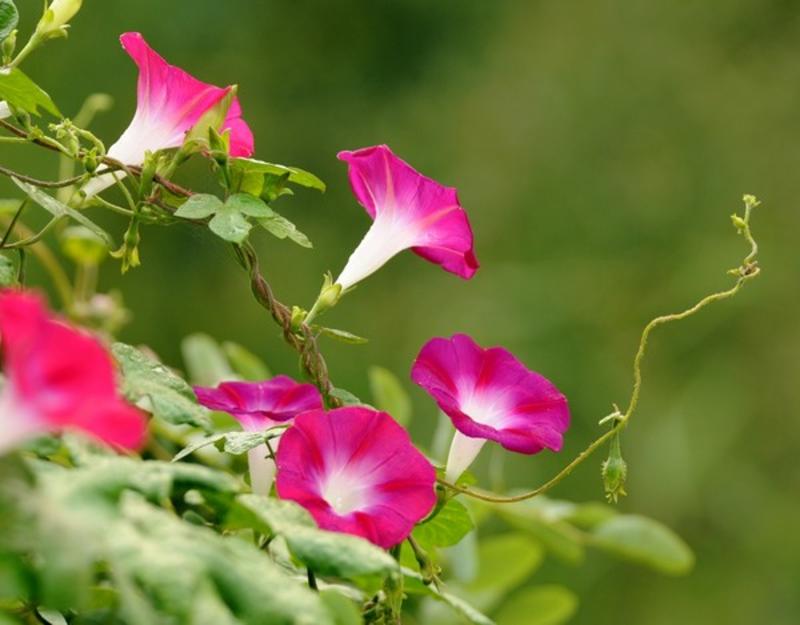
[[746, 271]]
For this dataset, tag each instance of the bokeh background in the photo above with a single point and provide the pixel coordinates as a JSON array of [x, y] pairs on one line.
[[599, 148]]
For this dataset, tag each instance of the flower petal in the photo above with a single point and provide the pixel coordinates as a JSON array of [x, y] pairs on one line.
[[409, 211], [62, 377], [257, 405], [355, 470], [489, 394], [170, 102]]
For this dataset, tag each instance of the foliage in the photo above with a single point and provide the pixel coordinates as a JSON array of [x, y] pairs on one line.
[[174, 535]]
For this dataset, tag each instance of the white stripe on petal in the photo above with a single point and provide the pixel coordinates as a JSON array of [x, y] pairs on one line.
[[262, 469], [463, 450], [17, 424], [386, 237]]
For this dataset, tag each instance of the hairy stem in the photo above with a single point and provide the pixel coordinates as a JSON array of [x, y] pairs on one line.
[[301, 339]]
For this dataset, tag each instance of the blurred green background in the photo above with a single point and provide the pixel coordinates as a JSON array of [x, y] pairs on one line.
[[599, 148]]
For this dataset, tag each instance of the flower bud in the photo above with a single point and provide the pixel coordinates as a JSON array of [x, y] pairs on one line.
[[9, 45], [329, 296], [129, 252], [738, 223], [750, 201], [615, 472], [56, 18]]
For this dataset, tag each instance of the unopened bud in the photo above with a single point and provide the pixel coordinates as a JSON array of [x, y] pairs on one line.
[[750, 201], [615, 472], [129, 252], [738, 223], [91, 161], [329, 296], [10, 44], [56, 18], [298, 316]]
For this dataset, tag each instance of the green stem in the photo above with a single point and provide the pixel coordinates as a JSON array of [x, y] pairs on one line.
[[748, 270], [45, 184], [13, 222], [34, 238], [30, 46]]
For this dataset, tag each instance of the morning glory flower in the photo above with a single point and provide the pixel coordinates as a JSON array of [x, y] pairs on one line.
[[489, 395], [258, 406], [169, 103], [355, 470], [56, 378], [409, 210]]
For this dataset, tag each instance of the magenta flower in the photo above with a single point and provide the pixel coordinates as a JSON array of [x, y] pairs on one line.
[[489, 395], [169, 103], [57, 377], [258, 406], [409, 211], [355, 470]]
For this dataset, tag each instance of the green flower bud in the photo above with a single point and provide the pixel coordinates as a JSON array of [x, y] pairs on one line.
[[615, 472], [129, 252], [738, 223], [10, 44], [750, 201], [91, 161]]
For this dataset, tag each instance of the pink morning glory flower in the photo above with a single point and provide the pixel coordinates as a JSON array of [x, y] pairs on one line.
[[56, 378], [258, 406], [409, 210], [355, 470], [169, 103], [489, 395]]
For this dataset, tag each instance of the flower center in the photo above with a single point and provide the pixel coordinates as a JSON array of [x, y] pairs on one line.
[[485, 410], [342, 492]]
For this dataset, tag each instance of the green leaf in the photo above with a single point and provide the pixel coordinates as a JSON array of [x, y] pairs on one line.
[[346, 397], [199, 444], [190, 571], [282, 228], [22, 93], [248, 205], [341, 335], [389, 394], [326, 553], [8, 271], [506, 560], [52, 617], [205, 361], [9, 18], [59, 209], [451, 523], [295, 175], [645, 541], [238, 443], [245, 363], [342, 609], [541, 605], [156, 389], [560, 538], [199, 206], [415, 584], [230, 225]]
